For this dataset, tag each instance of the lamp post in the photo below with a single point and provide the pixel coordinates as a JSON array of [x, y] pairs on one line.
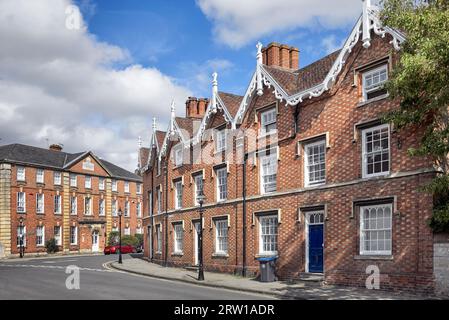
[[21, 237], [200, 198], [120, 236]]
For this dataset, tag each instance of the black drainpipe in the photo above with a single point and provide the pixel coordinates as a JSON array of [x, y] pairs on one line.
[[245, 158], [166, 212], [150, 202]]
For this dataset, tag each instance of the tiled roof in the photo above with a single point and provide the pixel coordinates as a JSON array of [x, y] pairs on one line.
[[144, 153], [160, 136], [20, 153], [231, 101], [190, 125], [294, 81]]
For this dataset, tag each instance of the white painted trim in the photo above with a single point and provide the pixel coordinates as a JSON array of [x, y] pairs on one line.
[[364, 163], [361, 238], [306, 167], [307, 215]]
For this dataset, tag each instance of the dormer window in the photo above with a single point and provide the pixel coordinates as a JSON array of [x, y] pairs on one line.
[[220, 137], [373, 82], [268, 121], [177, 152]]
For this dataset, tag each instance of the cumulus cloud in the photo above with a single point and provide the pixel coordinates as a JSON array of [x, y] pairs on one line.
[[61, 84], [238, 22]]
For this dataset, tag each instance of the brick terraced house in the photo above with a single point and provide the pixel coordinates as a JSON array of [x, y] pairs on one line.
[[300, 167], [73, 198]]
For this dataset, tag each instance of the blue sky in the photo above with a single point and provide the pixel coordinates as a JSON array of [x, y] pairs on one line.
[[177, 38], [96, 84]]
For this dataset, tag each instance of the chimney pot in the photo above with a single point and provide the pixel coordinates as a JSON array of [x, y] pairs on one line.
[[281, 55], [55, 147]]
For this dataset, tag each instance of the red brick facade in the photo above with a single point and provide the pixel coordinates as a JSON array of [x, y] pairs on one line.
[[97, 221], [337, 116]]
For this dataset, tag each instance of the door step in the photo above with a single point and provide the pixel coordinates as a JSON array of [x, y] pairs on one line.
[[312, 277]]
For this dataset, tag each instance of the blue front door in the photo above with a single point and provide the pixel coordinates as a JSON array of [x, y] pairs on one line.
[[316, 248]]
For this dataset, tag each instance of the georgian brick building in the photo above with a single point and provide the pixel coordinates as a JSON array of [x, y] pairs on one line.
[[300, 167], [74, 198]]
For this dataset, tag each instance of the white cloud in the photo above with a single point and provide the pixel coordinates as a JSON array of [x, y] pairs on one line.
[[64, 85], [331, 43], [238, 22]]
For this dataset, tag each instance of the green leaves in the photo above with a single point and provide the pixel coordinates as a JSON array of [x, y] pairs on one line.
[[421, 82]]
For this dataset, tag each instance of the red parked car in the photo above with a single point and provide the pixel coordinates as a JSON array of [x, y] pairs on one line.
[[116, 249]]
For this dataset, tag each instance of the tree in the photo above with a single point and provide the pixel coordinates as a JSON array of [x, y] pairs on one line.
[[113, 238], [421, 82]]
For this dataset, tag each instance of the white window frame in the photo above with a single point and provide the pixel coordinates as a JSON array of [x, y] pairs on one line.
[[88, 182], [58, 238], [41, 207], [221, 236], [262, 159], [57, 178], [114, 208], [126, 186], [178, 194], [307, 165], [101, 183], [138, 188], [73, 205], [139, 230], [42, 236], [262, 220], [73, 235], [114, 185], [159, 199], [102, 207], [220, 140], [379, 85], [73, 180], [178, 237], [21, 230], [127, 231], [127, 212], [139, 209], [197, 178], [40, 175], [159, 238], [21, 176], [363, 230], [224, 172], [365, 156], [264, 124], [21, 204], [178, 156], [89, 206]]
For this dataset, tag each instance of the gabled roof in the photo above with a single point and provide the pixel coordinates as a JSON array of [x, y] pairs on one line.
[[144, 154], [231, 102], [294, 81], [30, 155], [160, 135]]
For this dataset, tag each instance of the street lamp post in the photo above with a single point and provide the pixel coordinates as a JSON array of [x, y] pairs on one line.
[[120, 236], [21, 237], [200, 198]]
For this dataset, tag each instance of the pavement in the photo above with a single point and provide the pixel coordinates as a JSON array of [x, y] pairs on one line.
[[45, 278], [279, 289]]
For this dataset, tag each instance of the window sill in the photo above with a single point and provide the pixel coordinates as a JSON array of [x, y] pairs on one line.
[[373, 257], [266, 135], [158, 252], [177, 254], [315, 185], [19, 212], [220, 255], [266, 255], [376, 176], [57, 213], [365, 102]]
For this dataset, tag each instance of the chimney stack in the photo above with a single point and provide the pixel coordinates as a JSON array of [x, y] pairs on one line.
[[55, 147], [196, 107], [281, 55]]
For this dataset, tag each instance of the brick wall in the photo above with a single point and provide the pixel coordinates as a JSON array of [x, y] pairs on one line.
[[336, 114]]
